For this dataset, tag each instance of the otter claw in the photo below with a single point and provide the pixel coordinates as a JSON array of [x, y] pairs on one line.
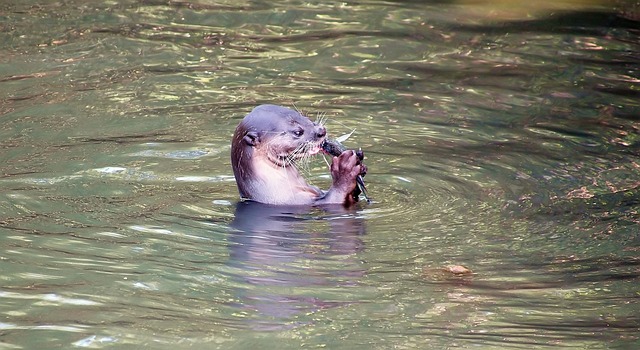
[[363, 170]]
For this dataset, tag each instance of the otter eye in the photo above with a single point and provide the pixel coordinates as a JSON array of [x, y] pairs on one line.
[[298, 132]]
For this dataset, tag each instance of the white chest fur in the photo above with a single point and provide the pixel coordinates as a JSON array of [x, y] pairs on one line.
[[280, 185]]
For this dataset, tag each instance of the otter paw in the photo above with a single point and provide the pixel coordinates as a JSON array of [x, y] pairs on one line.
[[344, 170], [363, 168]]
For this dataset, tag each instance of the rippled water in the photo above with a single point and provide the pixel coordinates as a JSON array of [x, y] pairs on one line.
[[502, 138]]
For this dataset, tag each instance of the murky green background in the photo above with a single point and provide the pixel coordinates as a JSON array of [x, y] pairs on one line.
[[504, 137]]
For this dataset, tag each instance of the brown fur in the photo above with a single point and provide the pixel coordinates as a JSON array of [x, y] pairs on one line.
[[264, 148]]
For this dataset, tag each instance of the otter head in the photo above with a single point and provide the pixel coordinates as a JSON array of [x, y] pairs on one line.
[[271, 136]]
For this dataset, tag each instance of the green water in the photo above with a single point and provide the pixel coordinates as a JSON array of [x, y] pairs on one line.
[[504, 139]]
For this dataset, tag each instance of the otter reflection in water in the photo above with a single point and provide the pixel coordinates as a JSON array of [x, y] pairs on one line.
[[265, 148], [289, 257]]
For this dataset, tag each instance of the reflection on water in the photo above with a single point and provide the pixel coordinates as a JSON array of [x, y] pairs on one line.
[[501, 138], [282, 252]]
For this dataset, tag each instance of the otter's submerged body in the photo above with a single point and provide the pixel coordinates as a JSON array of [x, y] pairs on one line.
[[265, 146]]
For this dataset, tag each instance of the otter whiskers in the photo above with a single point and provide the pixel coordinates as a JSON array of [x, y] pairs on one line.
[[321, 119], [300, 157], [268, 148]]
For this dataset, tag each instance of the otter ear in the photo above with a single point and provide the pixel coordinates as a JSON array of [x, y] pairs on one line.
[[251, 138]]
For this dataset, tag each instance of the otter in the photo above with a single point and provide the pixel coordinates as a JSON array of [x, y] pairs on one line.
[[264, 150]]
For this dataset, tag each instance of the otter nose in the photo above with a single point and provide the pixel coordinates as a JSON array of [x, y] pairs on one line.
[[321, 131]]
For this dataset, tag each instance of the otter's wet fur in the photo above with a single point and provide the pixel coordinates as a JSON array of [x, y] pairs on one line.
[[267, 146]]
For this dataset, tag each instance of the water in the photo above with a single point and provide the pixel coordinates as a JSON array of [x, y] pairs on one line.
[[500, 138]]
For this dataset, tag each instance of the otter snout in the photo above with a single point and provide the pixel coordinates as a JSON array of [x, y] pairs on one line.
[[321, 131]]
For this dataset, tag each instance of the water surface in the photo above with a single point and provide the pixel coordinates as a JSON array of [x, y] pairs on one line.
[[500, 138]]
